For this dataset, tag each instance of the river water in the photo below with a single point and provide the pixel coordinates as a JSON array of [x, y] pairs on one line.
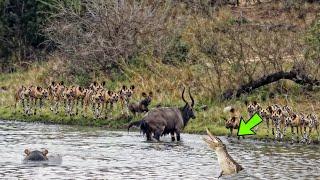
[[91, 153]]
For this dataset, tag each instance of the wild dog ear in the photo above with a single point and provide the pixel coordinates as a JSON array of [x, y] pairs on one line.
[[246, 102], [27, 151], [103, 83], [150, 93], [39, 88], [94, 83], [255, 102], [132, 87], [124, 87], [144, 94], [110, 93], [53, 83], [45, 152], [80, 88], [61, 83]]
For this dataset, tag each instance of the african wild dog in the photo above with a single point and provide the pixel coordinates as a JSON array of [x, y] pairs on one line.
[[97, 100], [37, 93], [96, 86], [294, 121], [253, 107], [79, 94], [86, 101], [278, 119], [311, 122], [109, 99], [68, 96], [125, 97], [22, 95], [142, 106], [56, 92], [233, 122]]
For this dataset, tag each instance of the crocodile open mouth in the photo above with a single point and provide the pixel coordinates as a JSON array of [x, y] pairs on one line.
[[212, 140]]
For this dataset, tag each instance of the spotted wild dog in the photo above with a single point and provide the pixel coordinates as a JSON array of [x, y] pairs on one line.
[[68, 96], [142, 106], [253, 107], [87, 101], [56, 95], [95, 86], [22, 96], [294, 121], [233, 121], [266, 116], [37, 93], [278, 121], [97, 100], [311, 123], [125, 97], [79, 94], [109, 99]]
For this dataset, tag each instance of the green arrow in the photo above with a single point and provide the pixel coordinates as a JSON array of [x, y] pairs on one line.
[[245, 127]]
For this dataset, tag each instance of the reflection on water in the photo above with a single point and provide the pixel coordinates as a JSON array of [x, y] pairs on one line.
[[87, 153]]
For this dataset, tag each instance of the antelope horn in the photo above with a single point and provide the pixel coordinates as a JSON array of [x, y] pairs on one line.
[[183, 96], [192, 100]]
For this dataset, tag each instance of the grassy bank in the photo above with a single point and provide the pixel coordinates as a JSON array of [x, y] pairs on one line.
[[167, 93]]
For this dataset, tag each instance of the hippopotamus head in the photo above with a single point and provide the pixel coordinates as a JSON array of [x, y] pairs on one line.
[[36, 155]]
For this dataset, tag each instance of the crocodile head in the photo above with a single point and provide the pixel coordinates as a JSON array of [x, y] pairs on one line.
[[214, 142]]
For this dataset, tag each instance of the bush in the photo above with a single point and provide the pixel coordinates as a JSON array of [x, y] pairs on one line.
[[177, 51]]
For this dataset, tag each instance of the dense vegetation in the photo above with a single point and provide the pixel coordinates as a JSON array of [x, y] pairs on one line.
[[211, 46]]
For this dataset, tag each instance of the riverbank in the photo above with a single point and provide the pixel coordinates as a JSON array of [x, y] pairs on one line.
[[167, 93], [195, 126]]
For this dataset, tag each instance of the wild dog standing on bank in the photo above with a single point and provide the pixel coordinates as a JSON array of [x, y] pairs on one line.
[[57, 96], [311, 123], [142, 106], [233, 121], [125, 97], [22, 95], [37, 93]]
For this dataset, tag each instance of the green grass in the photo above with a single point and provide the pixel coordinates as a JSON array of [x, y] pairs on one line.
[[165, 91]]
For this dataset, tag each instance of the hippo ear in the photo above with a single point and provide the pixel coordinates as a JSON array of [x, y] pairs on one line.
[[45, 152], [27, 151]]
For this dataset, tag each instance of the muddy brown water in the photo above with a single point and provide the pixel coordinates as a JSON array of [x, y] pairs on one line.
[[90, 153]]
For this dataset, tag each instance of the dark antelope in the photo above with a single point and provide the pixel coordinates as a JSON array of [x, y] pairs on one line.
[[165, 120]]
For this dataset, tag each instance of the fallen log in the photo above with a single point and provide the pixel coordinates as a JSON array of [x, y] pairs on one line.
[[294, 75]]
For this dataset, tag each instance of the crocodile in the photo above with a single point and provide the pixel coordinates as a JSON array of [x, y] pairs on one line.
[[227, 164]]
